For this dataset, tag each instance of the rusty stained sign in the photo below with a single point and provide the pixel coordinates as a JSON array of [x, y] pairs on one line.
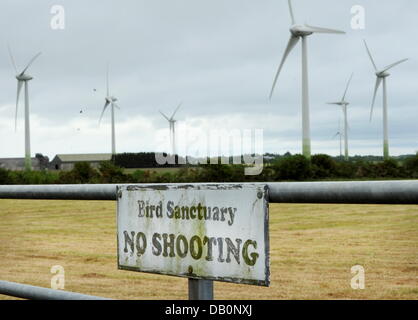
[[212, 232]]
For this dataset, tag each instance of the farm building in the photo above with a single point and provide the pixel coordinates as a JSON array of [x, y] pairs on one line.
[[67, 161], [40, 162]]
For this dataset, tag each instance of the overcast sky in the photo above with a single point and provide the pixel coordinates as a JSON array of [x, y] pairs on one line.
[[219, 57]]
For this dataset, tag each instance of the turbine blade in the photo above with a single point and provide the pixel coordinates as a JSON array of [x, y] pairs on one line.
[[19, 88], [104, 109], [348, 85], [291, 12], [393, 65], [175, 111], [370, 55], [30, 63], [12, 58], [116, 105], [321, 30], [291, 44], [336, 103], [378, 82], [168, 119]]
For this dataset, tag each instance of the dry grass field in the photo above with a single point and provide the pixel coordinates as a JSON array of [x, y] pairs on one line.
[[313, 248]]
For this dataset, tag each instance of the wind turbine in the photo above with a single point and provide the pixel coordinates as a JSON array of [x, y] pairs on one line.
[[381, 76], [110, 100], [172, 123], [344, 105], [22, 79], [302, 31]]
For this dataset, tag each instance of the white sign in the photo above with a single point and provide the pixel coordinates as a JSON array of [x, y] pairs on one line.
[[213, 232]]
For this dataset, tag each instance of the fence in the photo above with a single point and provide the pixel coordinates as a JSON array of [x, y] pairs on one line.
[[365, 192]]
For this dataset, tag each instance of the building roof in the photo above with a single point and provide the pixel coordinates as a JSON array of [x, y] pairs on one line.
[[91, 157], [11, 159]]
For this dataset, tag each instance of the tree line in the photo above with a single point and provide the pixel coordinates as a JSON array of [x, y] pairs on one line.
[[142, 160], [284, 168]]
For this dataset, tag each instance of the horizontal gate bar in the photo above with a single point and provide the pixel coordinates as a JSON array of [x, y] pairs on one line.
[[38, 293], [356, 192], [59, 192]]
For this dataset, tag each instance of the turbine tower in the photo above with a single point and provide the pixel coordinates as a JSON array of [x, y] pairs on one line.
[[344, 105], [172, 124], [23, 80], [110, 100], [340, 135], [381, 76], [302, 31]]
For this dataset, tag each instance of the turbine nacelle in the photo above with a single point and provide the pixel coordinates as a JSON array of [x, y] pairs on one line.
[[111, 99], [299, 30], [340, 103], [382, 74], [24, 77]]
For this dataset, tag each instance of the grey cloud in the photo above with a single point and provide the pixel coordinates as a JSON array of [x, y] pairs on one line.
[[218, 56]]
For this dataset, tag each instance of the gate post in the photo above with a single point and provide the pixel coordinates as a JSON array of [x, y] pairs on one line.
[[200, 289]]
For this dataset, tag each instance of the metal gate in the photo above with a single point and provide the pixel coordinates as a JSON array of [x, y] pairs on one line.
[[364, 192]]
